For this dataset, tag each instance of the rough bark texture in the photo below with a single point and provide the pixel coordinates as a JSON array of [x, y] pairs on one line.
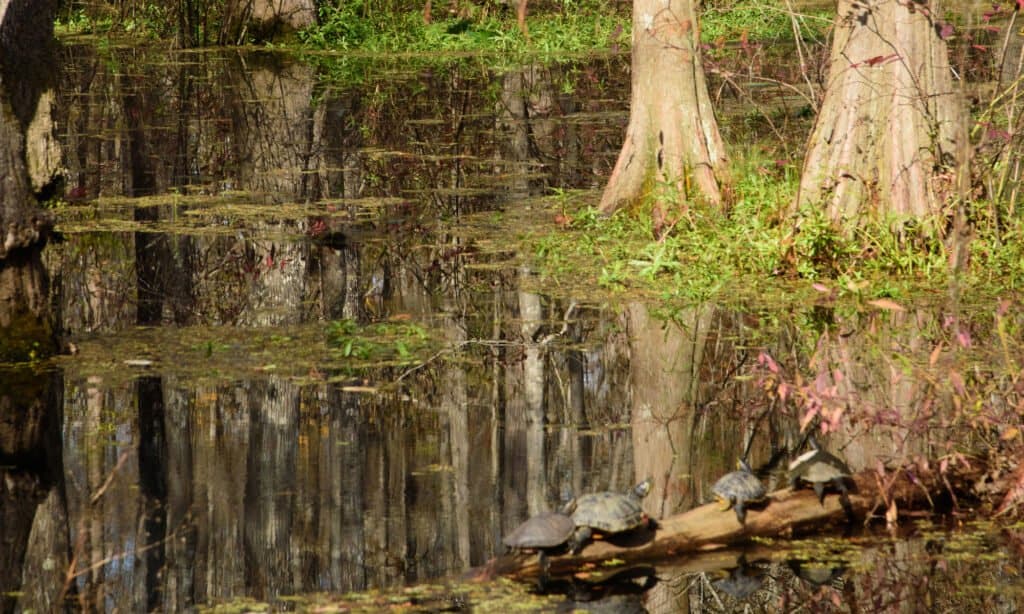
[[707, 527], [26, 30], [891, 133], [672, 135], [267, 19], [26, 327]]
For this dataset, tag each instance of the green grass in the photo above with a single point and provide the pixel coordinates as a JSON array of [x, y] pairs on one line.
[[583, 26], [762, 20], [572, 33], [758, 248]]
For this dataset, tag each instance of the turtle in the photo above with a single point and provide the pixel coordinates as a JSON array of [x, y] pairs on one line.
[[607, 512], [544, 533], [819, 468], [737, 488], [741, 581]]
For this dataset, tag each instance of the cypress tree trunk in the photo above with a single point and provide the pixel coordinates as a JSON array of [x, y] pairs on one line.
[[672, 135], [891, 135]]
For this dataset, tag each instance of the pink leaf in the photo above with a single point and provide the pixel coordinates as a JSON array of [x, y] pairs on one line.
[[807, 417], [887, 304], [946, 31], [820, 287]]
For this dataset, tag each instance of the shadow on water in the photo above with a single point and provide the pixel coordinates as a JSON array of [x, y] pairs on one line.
[[307, 359]]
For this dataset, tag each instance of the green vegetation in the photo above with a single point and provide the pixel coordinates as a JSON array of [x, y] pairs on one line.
[[376, 342], [346, 28], [480, 26], [753, 251], [763, 20]]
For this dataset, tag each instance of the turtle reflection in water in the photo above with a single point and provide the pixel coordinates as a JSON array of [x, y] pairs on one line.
[[737, 488], [818, 573], [741, 581], [607, 512], [544, 533], [820, 469]]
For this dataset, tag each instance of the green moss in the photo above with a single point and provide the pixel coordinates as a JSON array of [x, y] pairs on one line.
[[27, 338]]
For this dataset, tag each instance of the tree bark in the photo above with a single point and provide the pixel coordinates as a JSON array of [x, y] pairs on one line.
[[672, 137], [787, 513], [891, 134], [265, 19]]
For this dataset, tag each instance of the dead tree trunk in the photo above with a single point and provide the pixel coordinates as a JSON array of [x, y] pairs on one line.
[[672, 137], [891, 134], [787, 513]]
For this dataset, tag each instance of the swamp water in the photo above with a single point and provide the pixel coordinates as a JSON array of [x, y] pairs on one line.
[[308, 359]]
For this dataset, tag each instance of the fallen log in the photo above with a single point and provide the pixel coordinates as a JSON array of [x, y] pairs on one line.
[[786, 513]]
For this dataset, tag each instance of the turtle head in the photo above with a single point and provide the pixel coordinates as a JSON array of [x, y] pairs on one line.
[[742, 465], [643, 488]]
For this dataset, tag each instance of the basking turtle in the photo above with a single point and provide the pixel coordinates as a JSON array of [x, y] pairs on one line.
[[607, 512], [543, 533], [819, 468], [737, 488]]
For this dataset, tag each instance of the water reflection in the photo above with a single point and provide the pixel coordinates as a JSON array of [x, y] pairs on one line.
[[268, 198]]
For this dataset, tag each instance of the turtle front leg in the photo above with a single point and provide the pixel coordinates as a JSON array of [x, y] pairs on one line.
[[741, 512], [579, 537], [819, 489], [844, 498]]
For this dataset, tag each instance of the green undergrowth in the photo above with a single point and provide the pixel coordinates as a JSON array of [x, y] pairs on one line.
[[481, 26], [345, 29], [757, 249], [764, 20]]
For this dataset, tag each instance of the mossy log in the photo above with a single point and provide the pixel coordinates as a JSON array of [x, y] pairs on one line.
[[785, 513]]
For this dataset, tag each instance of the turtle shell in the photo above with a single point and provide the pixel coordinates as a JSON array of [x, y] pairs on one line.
[[818, 467], [611, 512], [739, 486], [541, 531]]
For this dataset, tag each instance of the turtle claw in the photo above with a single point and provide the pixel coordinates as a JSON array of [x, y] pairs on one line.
[[741, 514], [819, 489]]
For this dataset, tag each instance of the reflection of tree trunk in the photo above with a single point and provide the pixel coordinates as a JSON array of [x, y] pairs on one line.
[[178, 578], [33, 519], [533, 394], [526, 103], [390, 525], [665, 360], [893, 400], [348, 443], [269, 490], [153, 462], [455, 407]]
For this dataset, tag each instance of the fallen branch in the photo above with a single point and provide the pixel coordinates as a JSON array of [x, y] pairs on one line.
[[787, 513]]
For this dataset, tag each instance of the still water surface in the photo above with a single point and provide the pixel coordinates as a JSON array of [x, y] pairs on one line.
[[221, 430]]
